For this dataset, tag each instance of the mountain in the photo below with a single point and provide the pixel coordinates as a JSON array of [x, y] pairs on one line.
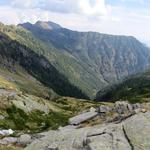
[[134, 89], [16, 57], [42, 25], [92, 60], [88, 60]]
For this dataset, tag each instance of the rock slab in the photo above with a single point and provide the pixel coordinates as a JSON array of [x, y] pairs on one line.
[[131, 134]]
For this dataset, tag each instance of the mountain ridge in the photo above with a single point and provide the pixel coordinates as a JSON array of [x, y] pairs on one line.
[[108, 57], [89, 60]]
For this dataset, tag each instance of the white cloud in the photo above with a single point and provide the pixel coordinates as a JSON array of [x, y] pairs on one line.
[[98, 7], [24, 4], [8, 15], [88, 7], [83, 15]]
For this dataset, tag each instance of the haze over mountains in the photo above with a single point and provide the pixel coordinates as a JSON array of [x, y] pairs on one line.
[[88, 60]]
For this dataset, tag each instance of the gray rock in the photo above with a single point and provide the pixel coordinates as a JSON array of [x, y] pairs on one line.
[[133, 133], [69, 127], [82, 117], [104, 109], [8, 140], [24, 140], [6, 132], [2, 117], [136, 106], [130, 107], [137, 129], [53, 146], [121, 107]]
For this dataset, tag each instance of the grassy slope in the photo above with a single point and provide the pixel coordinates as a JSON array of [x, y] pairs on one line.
[[27, 83], [44, 114]]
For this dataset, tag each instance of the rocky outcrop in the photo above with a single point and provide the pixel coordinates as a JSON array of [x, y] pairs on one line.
[[130, 134], [120, 107], [119, 111]]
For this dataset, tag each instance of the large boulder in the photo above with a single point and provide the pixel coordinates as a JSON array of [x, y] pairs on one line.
[[137, 130]]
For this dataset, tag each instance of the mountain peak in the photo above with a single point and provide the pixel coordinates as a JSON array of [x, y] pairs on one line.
[[48, 25]]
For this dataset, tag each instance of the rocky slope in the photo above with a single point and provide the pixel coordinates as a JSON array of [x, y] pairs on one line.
[[129, 130], [26, 105]]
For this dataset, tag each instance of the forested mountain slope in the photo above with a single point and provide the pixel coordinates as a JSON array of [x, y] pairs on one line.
[[135, 89]]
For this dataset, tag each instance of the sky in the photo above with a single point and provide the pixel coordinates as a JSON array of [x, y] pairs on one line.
[[118, 17]]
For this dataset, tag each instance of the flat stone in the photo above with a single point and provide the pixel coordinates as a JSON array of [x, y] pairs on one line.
[[69, 127], [82, 117], [8, 140]]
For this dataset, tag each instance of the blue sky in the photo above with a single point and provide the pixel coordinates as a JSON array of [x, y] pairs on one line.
[[125, 17]]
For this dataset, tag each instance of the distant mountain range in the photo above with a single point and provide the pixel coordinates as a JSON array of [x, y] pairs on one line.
[[72, 63]]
